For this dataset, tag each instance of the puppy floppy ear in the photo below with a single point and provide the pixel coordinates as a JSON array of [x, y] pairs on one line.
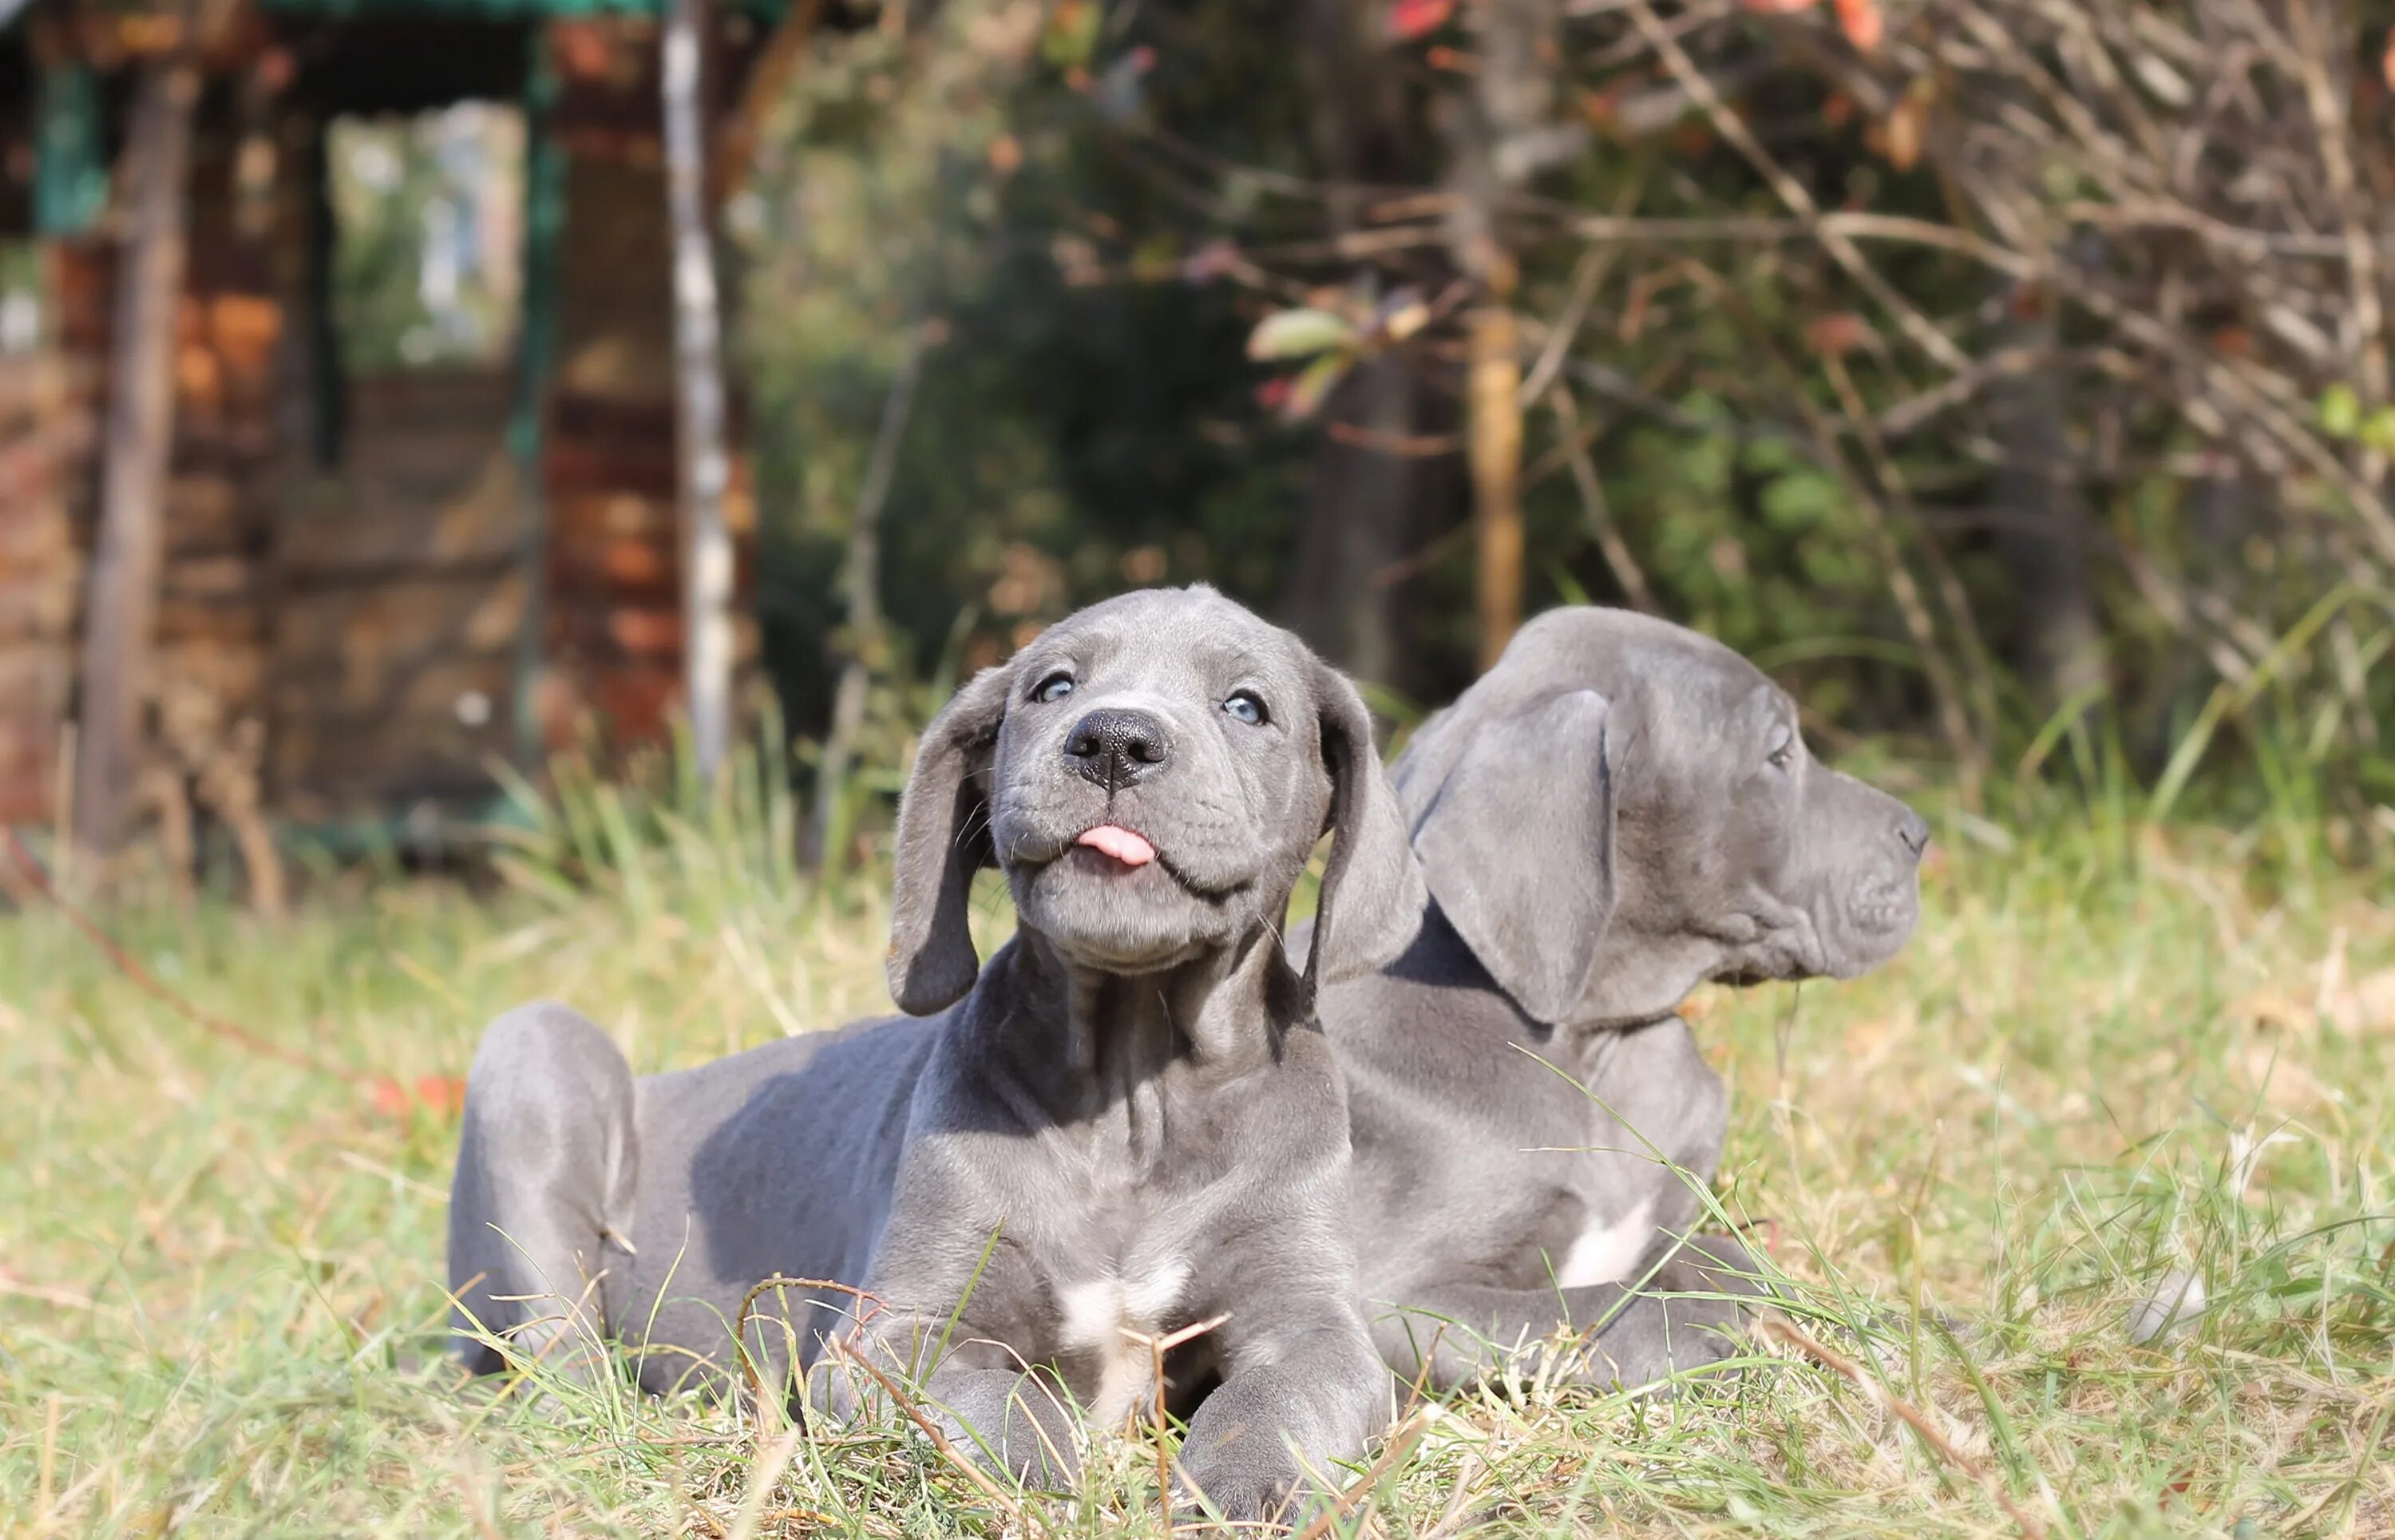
[[1373, 894], [1514, 823], [942, 839]]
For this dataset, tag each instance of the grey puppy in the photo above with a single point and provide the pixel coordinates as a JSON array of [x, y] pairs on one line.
[[1127, 1122], [1620, 810]]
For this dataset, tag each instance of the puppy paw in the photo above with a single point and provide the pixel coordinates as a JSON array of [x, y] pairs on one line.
[[1239, 1491]]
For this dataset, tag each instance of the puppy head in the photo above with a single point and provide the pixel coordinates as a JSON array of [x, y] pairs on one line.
[[1623, 808], [1151, 775]]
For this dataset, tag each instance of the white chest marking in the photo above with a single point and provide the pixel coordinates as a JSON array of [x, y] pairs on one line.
[[1604, 1254], [1098, 1312]]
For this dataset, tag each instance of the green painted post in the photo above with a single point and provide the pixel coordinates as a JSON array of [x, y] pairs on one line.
[[543, 229], [70, 161]]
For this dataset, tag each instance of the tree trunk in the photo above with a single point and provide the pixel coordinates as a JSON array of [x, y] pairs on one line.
[[1360, 504], [1354, 524], [861, 576], [2043, 532], [1496, 443], [139, 439], [1497, 140], [705, 463]]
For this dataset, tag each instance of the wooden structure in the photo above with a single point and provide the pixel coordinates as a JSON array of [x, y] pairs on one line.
[[386, 581]]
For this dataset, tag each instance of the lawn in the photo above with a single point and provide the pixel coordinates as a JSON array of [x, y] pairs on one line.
[[2112, 1054]]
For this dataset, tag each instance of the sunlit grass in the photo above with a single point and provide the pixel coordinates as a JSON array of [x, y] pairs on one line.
[[2111, 1055]]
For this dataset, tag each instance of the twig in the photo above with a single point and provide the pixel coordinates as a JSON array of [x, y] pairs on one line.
[[29, 873], [1834, 239], [761, 1476], [1409, 445], [1401, 1444], [1156, 1348], [1911, 1416], [940, 1442], [1625, 567], [778, 1280], [863, 580]]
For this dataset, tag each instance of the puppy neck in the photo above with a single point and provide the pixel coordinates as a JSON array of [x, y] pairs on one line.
[[1220, 1013]]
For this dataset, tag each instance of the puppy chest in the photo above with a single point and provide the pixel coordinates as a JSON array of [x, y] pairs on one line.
[[1106, 1322], [1607, 1246]]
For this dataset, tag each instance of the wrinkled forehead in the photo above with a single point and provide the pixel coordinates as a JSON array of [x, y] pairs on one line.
[[1172, 642], [1630, 657]]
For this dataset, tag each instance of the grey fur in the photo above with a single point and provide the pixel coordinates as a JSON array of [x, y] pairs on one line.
[[1602, 827], [1129, 1119]]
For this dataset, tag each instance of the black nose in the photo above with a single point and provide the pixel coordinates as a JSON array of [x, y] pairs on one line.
[[1913, 829], [1115, 747]]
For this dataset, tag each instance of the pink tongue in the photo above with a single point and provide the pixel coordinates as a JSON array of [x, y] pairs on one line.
[[1120, 843]]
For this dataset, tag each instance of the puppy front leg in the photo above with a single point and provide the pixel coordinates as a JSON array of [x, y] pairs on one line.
[[1294, 1399], [548, 1160], [1449, 1335]]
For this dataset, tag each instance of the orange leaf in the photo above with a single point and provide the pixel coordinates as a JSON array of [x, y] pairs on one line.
[[1838, 334], [1901, 136], [2387, 61], [1863, 24], [443, 1096], [1412, 19]]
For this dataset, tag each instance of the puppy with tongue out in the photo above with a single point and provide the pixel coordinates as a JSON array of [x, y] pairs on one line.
[[1127, 1127]]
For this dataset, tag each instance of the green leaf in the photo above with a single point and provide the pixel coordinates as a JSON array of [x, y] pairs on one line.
[[1298, 334], [2340, 411], [1072, 35], [1312, 386], [2378, 429]]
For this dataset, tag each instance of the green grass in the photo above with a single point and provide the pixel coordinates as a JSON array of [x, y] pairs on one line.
[[2100, 1061]]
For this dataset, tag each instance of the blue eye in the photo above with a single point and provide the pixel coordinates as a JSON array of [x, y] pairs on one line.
[[1054, 687], [1245, 707]]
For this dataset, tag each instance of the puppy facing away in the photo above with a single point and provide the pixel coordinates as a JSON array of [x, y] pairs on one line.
[[1620, 810], [1129, 1122]]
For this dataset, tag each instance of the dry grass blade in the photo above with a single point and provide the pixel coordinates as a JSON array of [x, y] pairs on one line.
[[748, 1307], [1159, 1424], [29, 873], [1365, 1487], [1911, 1416], [947, 1451], [761, 1476]]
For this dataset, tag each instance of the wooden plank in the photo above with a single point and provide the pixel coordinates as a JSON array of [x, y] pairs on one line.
[[42, 609], [400, 624], [441, 724]]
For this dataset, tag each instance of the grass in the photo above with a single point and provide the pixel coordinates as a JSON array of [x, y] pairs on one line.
[[2110, 1054]]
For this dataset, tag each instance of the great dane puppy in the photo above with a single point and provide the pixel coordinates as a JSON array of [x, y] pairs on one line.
[[1620, 810], [1128, 1124]]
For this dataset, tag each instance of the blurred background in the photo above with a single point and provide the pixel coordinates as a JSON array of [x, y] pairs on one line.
[[402, 398]]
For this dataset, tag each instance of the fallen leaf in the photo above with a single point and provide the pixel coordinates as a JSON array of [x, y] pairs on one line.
[[443, 1096]]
